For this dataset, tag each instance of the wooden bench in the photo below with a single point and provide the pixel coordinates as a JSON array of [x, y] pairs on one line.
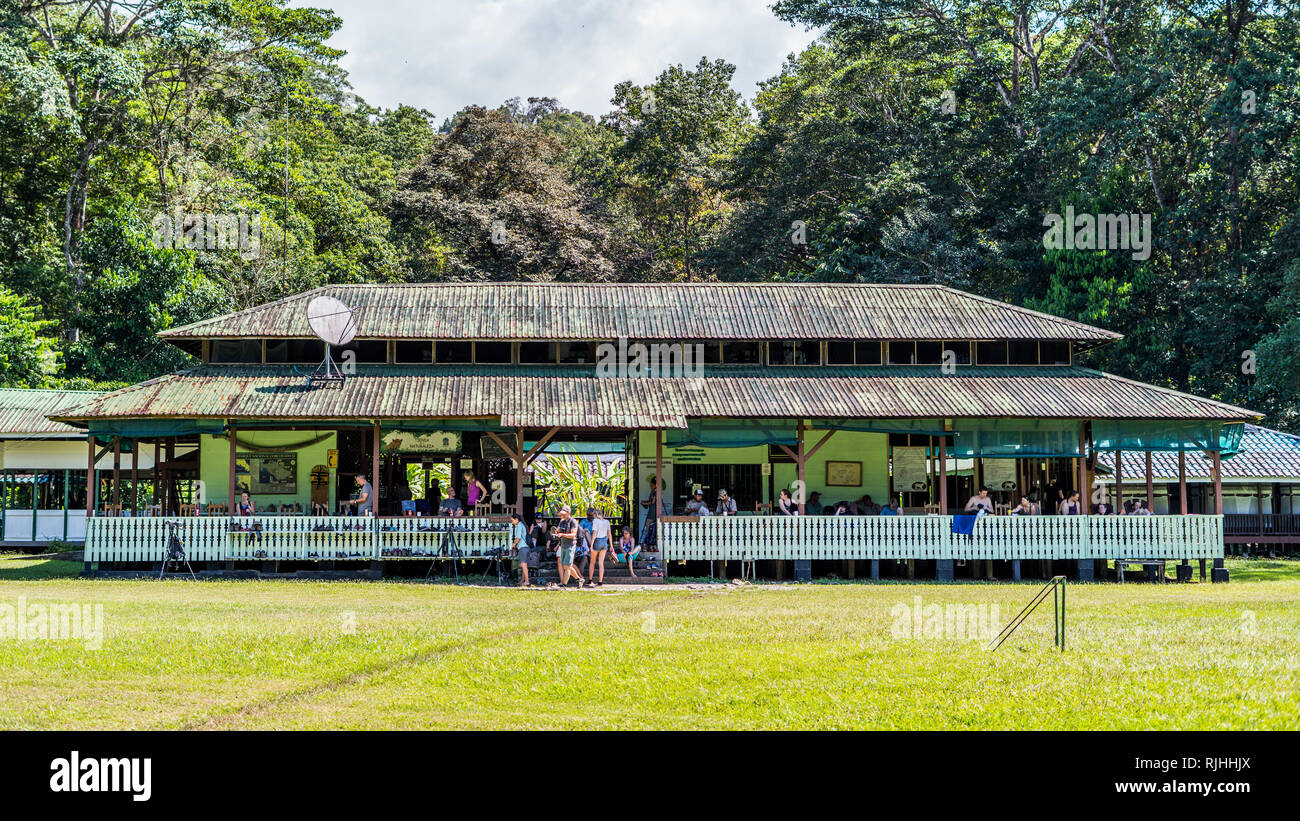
[[1155, 568]]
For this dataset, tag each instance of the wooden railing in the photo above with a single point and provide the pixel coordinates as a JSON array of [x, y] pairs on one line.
[[291, 538], [1255, 524], [749, 538]]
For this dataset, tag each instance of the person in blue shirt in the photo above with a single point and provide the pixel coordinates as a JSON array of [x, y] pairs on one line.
[[892, 509], [519, 545]]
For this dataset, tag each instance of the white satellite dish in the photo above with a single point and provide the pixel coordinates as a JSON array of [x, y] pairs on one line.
[[335, 324], [331, 320]]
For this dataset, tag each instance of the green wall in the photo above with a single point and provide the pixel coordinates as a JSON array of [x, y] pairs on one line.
[[214, 464], [872, 449]]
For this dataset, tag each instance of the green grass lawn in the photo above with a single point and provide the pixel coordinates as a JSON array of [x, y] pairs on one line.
[[249, 655]]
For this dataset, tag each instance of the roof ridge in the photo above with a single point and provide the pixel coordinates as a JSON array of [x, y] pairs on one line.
[[259, 307], [1050, 317], [1162, 389]]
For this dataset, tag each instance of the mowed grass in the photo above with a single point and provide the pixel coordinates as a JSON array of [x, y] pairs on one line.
[[257, 655]]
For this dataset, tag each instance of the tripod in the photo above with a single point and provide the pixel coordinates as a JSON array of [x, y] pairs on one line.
[[175, 551], [446, 549]]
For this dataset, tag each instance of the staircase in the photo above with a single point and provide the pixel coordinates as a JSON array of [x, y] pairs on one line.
[[616, 573]]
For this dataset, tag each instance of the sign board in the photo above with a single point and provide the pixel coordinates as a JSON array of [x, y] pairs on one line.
[[332, 458], [910, 475], [439, 441], [999, 474]]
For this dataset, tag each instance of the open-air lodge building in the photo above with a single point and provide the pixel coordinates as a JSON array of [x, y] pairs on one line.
[[915, 393]]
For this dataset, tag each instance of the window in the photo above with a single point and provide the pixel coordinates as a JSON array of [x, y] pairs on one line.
[[367, 351], [902, 352], [576, 352], [1054, 352], [446, 352], [794, 352], [711, 350], [1023, 352], [413, 353], [237, 351], [960, 349], [492, 353], [867, 353], [536, 353], [991, 353], [839, 352], [740, 352], [294, 351], [929, 353]]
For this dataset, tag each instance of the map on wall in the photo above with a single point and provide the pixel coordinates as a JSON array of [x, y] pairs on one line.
[[910, 473], [267, 473]]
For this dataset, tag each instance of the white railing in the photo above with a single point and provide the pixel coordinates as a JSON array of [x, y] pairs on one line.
[[717, 538], [292, 538]]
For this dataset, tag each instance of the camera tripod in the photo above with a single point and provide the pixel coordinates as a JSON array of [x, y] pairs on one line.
[[175, 551]]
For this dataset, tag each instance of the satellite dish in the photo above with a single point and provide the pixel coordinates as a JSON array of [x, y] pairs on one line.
[[331, 320]]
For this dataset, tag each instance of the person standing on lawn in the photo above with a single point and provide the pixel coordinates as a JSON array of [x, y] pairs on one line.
[[567, 532], [519, 545], [599, 546]]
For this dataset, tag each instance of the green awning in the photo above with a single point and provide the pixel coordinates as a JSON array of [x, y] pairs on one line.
[[734, 433], [1167, 435], [153, 428], [1011, 438]]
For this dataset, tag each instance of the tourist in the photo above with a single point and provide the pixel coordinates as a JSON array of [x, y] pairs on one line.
[[540, 536], [519, 545], [726, 504], [980, 501], [627, 550], [814, 506], [866, 507], [474, 489], [786, 504], [451, 506], [1140, 508], [694, 506], [364, 504], [599, 547], [1070, 506], [648, 536], [891, 509], [842, 509], [1025, 508], [245, 506], [568, 533]]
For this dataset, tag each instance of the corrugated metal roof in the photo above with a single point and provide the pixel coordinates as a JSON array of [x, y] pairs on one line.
[[679, 311], [575, 397], [25, 412], [1265, 455]]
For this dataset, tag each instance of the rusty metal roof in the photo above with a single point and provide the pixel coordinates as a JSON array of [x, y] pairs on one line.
[[545, 396], [25, 412], [530, 310], [1265, 455]]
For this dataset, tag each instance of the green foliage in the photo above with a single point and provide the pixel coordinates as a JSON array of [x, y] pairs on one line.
[[580, 483], [26, 355]]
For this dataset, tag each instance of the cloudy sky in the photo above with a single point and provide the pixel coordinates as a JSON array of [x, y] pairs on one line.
[[444, 54]]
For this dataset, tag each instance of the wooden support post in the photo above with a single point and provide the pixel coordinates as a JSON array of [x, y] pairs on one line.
[[1151, 485], [1182, 483], [90, 477], [156, 497], [943, 475], [1215, 459], [374, 476], [1119, 480], [519, 473], [169, 487], [135, 475], [232, 495], [800, 459], [1085, 496], [117, 474], [659, 480]]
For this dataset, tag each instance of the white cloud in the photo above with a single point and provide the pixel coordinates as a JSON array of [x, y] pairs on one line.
[[445, 54]]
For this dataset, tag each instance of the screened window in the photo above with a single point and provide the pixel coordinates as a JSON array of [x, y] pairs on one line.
[[929, 353], [492, 353], [237, 351], [794, 352], [902, 352], [839, 352], [577, 352], [294, 351], [367, 351], [867, 353], [740, 352], [1023, 352], [992, 353], [710, 350], [1053, 352], [961, 351], [413, 353], [453, 352], [536, 353]]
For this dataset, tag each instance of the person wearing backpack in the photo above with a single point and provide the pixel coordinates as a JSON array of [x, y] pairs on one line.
[[519, 545]]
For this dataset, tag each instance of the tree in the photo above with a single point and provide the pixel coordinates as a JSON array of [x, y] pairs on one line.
[[27, 356]]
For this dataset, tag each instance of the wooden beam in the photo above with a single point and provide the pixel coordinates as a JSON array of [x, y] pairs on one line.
[[1215, 460], [90, 476], [943, 475], [157, 471], [1085, 497], [519, 474], [117, 473], [234, 434], [659, 479], [802, 459], [1182, 482], [374, 477], [135, 474], [1151, 486], [541, 443], [1119, 480], [813, 452]]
